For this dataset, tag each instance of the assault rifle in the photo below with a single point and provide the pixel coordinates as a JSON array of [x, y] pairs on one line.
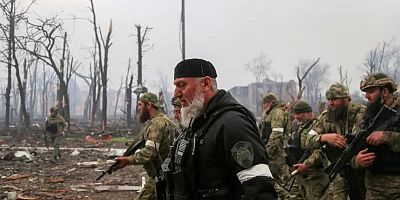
[[131, 150], [357, 144], [292, 177]]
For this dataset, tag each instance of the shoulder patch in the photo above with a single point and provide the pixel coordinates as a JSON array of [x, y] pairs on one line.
[[242, 152]]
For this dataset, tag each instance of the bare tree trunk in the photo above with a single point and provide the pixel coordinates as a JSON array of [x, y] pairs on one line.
[[32, 101], [118, 93], [44, 92], [129, 104], [22, 93]]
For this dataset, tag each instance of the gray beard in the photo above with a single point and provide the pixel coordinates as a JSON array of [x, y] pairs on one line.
[[193, 110]]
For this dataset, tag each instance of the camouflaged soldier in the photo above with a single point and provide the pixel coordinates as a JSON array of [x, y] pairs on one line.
[[275, 135], [312, 176], [158, 133], [331, 130], [55, 127], [381, 158], [177, 109]]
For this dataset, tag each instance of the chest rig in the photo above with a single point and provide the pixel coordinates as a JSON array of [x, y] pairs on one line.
[[294, 149]]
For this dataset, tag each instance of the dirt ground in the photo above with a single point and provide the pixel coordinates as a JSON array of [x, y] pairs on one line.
[[41, 178]]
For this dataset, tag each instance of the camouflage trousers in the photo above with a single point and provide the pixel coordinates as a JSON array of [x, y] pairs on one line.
[[379, 186], [55, 142], [148, 192], [280, 173], [339, 189], [312, 183]]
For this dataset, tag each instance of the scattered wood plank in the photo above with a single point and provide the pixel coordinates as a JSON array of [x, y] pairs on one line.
[[56, 191], [12, 187], [92, 164], [17, 176], [56, 180], [117, 188], [20, 197]]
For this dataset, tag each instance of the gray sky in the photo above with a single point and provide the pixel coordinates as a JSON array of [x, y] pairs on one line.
[[229, 33]]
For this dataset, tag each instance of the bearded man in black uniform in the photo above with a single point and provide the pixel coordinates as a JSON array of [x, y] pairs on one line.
[[219, 155]]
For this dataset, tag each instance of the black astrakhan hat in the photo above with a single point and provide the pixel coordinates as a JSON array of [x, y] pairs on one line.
[[194, 68]]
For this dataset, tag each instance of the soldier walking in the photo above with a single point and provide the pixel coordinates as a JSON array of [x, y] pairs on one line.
[[381, 158], [55, 127], [341, 120]]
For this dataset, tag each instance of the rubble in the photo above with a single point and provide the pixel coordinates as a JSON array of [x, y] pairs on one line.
[[75, 153], [72, 177]]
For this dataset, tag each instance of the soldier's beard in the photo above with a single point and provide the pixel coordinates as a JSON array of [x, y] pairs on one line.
[[145, 115], [372, 109], [337, 114], [193, 110]]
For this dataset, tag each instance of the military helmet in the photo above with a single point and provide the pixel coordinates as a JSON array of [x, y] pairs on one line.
[[301, 107], [270, 97], [150, 97], [337, 90], [378, 80]]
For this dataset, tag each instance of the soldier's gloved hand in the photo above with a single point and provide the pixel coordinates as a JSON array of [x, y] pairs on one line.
[[365, 158], [123, 161], [334, 139]]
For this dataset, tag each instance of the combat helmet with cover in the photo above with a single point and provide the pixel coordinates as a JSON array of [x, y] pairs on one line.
[[378, 80], [337, 90]]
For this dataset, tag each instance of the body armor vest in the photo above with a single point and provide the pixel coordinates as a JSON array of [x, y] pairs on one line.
[[182, 165], [387, 161]]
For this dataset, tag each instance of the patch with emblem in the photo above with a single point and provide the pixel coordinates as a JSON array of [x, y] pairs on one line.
[[242, 153]]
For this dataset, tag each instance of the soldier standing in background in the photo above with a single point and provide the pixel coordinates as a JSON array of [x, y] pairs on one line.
[[312, 176], [381, 158], [342, 119], [158, 134], [56, 126], [274, 133]]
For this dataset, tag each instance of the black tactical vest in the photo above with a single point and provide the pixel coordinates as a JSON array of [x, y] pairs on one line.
[[387, 161], [183, 164]]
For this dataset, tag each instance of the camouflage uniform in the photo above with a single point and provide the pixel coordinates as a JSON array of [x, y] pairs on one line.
[[312, 182], [277, 118], [158, 133], [55, 125], [343, 127], [381, 183]]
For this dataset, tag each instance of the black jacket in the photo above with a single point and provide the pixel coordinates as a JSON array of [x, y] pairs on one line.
[[228, 160]]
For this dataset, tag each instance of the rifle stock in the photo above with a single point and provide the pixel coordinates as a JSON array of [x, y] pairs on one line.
[[355, 146], [131, 150]]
